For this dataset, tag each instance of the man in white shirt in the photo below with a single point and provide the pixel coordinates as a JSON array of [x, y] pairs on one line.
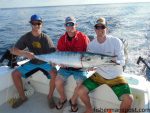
[[110, 75]]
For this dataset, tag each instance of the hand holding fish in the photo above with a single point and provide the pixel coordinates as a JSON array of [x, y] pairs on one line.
[[29, 55], [92, 69]]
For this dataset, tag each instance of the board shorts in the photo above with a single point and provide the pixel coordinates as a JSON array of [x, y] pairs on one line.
[[119, 89], [78, 74], [29, 68]]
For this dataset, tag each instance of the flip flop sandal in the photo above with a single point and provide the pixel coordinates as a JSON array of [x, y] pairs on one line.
[[18, 102], [73, 106], [61, 104], [51, 103]]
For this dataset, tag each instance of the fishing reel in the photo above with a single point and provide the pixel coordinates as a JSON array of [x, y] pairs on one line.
[[11, 59]]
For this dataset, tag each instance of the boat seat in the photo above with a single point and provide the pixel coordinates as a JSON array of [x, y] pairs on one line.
[[6, 80], [106, 94], [102, 94]]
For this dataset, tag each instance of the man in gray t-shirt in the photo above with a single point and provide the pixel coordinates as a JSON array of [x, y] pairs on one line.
[[37, 43]]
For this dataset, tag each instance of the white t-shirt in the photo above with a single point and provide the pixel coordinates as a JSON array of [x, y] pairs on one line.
[[112, 46]]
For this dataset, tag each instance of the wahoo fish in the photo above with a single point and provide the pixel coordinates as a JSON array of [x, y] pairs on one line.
[[77, 59]]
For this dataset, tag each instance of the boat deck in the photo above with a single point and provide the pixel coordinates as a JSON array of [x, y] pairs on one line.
[[37, 103]]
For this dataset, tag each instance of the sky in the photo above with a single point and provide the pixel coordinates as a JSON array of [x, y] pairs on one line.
[[34, 3]]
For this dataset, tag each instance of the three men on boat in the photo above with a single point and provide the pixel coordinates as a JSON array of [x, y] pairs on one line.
[[73, 40]]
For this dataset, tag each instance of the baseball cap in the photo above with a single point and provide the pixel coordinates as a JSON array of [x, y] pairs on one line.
[[35, 18], [102, 21], [70, 19]]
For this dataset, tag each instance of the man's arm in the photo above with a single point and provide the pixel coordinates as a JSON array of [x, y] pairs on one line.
[[119, 51], [24, 53]]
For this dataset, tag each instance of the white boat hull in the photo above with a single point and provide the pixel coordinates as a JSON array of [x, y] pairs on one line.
[[102, 97]]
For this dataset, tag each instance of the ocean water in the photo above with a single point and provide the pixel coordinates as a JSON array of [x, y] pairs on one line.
[[128, 21]]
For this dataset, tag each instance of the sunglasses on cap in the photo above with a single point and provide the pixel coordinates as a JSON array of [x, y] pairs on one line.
[[36, 23], [69, 24], [99, 27]]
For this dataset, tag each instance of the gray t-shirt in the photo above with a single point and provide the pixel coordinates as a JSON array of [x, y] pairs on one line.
[[38, 45]]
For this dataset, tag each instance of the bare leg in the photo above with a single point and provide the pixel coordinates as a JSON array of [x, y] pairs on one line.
[[83, 94], [126, 103], [75, 96], [53, 74], [16, 76], [73, 100], [60, 88]]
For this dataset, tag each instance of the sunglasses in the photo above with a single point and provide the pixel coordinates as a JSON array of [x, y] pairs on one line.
[[69, 24], [99, 27], [34, 24]]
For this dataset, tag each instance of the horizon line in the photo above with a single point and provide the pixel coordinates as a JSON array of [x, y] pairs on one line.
[[70, 5]]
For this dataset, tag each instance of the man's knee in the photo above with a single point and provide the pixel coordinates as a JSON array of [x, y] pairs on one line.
[[16, 74], [82, 91], [79, 84], [53, 73], [59, 81], [128, 98]]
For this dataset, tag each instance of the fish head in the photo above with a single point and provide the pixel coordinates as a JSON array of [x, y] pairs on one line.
[[95, 60]]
